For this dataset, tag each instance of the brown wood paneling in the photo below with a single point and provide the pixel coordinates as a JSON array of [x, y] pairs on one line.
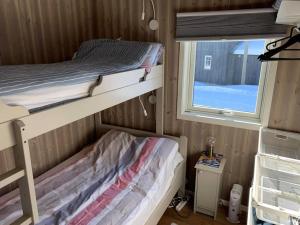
[[285, 109], [122, 19], [38, 31], [44, 31], [238, 145]]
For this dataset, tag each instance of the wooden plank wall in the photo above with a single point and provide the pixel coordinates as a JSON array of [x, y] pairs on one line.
[[285, 110], [238, 145], [43, 31], [46, 31]]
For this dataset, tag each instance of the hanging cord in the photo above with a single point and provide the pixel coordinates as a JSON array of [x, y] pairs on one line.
[[143, 13], [153, 8], [143, 107]]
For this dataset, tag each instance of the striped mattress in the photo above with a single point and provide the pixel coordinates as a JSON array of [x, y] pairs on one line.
[[94, 58], [114, 183]]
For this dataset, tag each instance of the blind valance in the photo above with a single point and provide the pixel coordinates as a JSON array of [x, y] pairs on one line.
[[229, 24]]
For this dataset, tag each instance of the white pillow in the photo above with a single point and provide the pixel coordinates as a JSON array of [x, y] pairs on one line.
[[153, 55]]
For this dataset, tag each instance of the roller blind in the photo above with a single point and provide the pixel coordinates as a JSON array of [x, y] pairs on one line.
[[229, 24]]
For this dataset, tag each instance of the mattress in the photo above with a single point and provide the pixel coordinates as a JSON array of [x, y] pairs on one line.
[[119, 180], [39, 98], [38, 85]]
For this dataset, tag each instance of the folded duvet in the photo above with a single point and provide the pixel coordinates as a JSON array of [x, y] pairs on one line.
[[94, 58], [106, 186]]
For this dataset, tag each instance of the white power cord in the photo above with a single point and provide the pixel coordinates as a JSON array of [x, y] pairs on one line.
[[143, 107], [153, 8], [143, 13]]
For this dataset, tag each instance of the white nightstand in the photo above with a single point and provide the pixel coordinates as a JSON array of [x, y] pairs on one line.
[[208, 188]]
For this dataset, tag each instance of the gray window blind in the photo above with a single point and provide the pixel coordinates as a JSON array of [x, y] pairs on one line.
[[229, 24]]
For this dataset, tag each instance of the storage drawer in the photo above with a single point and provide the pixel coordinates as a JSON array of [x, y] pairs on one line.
[[279, 143], [276, 192], [280, 164]]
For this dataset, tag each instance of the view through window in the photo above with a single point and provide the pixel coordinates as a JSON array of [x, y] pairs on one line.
[[228, 75]]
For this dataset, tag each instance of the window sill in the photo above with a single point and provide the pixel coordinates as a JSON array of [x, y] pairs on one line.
[[220, 120]]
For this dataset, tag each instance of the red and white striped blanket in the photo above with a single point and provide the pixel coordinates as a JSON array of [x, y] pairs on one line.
[[105, 186]]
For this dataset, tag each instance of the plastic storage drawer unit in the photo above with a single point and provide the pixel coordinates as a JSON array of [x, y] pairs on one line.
[[276, 194], [276, 187], [281, 144]]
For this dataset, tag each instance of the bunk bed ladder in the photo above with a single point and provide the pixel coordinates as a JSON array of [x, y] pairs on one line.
[[23, 174]]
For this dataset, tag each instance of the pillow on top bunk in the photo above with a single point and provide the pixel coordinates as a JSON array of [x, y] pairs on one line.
[[98, 48], [125, 51], [153, 55]]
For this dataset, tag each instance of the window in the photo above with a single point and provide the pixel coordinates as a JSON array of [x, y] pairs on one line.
[[237, 91], [207, 62]]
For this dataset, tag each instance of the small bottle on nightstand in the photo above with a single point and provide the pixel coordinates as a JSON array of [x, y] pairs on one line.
[[208, 186]]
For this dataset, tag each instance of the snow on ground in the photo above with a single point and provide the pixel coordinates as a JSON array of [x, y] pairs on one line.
[[233, 97]]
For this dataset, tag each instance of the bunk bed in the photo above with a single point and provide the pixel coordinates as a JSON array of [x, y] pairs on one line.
[[19, 124]]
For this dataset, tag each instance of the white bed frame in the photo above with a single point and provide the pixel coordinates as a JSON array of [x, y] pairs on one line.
[[18, 126]]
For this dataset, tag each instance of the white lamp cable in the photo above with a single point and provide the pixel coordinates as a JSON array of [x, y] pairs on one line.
[[153, 8], [143, 13], [142, 104]]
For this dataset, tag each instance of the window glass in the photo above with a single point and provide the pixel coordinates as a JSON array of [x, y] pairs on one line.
[[227, 75]]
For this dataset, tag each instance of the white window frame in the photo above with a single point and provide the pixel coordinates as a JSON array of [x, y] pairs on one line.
[[186, 111], [207, 62]]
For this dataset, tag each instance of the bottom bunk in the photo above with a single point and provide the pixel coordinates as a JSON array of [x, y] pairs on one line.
[[121, 179]]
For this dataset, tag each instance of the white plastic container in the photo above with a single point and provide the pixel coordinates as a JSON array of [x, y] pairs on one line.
[[276, 194], [276, 185], [235, 203], [281, 144]]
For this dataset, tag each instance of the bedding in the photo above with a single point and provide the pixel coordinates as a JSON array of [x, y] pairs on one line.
[[19, 84], [39, 98], [119, 180], [153, 55]]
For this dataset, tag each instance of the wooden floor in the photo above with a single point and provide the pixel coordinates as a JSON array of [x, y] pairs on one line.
[[190, 218]]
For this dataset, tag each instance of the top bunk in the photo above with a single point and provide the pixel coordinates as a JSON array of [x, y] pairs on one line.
[[103, 73]]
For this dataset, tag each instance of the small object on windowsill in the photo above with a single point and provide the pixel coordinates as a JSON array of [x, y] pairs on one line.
[[213, 161]]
